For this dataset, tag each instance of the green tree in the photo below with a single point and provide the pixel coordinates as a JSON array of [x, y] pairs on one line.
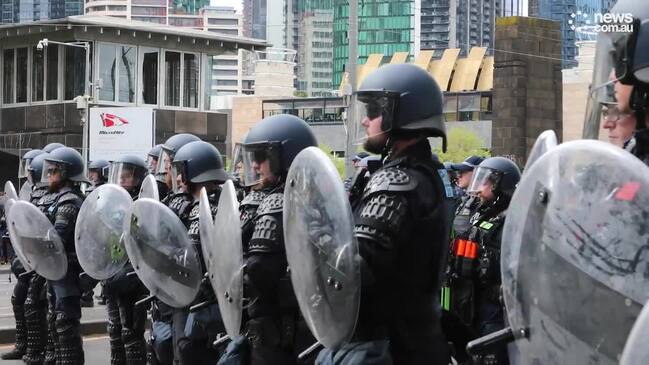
[[339, 162], [300, 94], [462, 143]]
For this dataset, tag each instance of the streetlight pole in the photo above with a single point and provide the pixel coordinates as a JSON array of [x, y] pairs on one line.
[[82, 100], [352, 60]]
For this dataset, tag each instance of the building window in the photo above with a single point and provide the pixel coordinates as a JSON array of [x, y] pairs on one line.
[[190, 89], [38, 74], [172, 87], [150, 76], [117, 73], [52, 72], [227, 82], [75, 71], [21, 75], [8, 76]]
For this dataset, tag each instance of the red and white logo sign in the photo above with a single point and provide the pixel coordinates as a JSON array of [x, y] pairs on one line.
[[112, 120]]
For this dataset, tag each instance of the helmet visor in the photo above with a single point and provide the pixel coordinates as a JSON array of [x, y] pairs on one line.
[[606, 87], [152, 163], [483, 178], [125, 175], [179, 176], [376, 113], [23, 168], [54, 171], [164, 164], [260, 161]]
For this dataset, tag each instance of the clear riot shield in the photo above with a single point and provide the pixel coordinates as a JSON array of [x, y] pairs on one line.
[[98, 232], [25, 191], [149, 188], [544, 143], [636, 351], [574, 254], [10, 191], [223, 253], [36, 242], [321, 249], [161, 253]]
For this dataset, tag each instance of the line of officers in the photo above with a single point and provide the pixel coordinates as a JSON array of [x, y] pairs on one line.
[[403, 209], [418, 292]]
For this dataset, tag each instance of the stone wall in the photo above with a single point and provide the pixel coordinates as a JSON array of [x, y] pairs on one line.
[[527, 84]]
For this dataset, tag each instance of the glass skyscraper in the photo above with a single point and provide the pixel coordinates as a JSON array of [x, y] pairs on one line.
[[384, 26]]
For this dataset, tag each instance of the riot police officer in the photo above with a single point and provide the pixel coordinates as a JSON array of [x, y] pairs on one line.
[[126, 321], [199, 165], [63, 170], [273, 327], [19, 296], [52, 146], [475, 282], [179, 201], [401, 223], [619, 76], [97, 173]]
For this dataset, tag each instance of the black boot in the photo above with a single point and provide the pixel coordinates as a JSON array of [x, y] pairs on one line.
[[21, 333]]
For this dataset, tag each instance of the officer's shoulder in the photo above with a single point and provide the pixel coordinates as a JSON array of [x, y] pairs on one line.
[[253, 198], [391, 179], [272, 203], [71, 197]]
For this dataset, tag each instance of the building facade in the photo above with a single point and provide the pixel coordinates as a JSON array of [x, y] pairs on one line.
[[384, 26], [21, 11]]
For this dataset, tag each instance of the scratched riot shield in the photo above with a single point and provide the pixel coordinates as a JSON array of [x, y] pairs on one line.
[[10, 191], [544, 143], [224, 256], [575, 254], [98, 232], [321, 249], [161, 253], [36, 242], [149, 188]]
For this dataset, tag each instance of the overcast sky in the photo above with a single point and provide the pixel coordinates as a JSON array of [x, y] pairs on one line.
[[234, 3]]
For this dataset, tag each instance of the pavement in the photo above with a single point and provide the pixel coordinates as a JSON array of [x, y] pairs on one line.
[[93, 320]]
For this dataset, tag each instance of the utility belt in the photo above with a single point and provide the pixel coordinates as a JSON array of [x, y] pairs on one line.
[[469, 262]]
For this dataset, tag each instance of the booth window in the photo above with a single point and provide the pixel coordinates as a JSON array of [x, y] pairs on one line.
[[75, 71], [52, 72], [172, 87], [117, 73], [150, 76], [38, 74], [182, 74], [8, 76], [21, 75]]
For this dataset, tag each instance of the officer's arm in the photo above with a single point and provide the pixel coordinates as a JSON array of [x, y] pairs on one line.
[[65, 220], [383, 218], [266, 263]]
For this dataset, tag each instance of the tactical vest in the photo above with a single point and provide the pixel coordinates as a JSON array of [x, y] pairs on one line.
[[180, 204]]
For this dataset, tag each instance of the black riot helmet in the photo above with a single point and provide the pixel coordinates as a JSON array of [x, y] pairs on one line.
[[169, 149], [501, 173], [276, 139], [101, 168], [408, 99], [198, 162], [128, 171], [68, 162], [52, 146], [35, 168], [23, 169]]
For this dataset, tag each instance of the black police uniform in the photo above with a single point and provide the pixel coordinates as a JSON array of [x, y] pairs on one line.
[[202, 326], [64, 295], [401, 227]]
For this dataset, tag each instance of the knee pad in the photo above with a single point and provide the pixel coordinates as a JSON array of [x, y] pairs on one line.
[[67, 328]]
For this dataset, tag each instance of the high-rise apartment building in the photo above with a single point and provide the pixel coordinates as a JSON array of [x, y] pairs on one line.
[[21, 11]]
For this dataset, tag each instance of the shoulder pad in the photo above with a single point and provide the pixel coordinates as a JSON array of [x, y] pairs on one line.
[[71, 198], [195, 209], [273, 203], [253, 198], [390, 179], [46, 200]]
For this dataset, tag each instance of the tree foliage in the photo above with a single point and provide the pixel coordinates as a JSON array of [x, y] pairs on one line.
[[462, 143]]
